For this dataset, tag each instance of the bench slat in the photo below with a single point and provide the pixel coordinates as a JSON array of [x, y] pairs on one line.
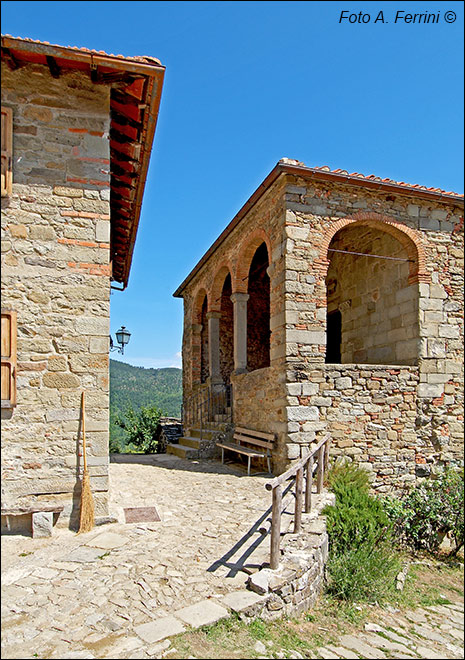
[[258, 434], [253, 441], [241, 450]]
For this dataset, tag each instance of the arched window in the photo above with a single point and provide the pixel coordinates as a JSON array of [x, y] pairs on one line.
[[258, 311], [372, 310]]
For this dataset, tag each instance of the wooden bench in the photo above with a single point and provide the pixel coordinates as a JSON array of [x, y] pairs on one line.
[[262, 445], [41, 526]]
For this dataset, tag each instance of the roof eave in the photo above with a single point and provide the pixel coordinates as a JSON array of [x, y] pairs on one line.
[[321, 175]]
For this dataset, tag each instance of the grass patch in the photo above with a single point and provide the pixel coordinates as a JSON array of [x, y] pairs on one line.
[[426, 584]]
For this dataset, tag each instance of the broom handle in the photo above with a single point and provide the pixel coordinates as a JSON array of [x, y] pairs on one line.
[[84, 431]]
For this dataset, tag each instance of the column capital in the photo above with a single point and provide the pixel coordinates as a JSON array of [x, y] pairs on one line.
[[213, 315], [197, 328], [239, 297]]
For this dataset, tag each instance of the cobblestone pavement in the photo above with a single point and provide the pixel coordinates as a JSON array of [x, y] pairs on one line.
[[86, 595], [431, 632], [118, 591]]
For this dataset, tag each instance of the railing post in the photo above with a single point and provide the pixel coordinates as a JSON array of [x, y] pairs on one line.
[[299, 477], [276, 526], [327, 454], [321, 469], [309, 485]]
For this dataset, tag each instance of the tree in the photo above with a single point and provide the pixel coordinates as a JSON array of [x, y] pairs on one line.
[[141, 427]]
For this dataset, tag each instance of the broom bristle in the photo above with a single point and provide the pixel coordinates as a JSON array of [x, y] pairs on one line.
[[86, 522]]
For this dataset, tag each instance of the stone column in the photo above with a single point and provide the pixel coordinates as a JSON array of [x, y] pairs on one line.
[[195, 353], [240, 331], [214, 347]]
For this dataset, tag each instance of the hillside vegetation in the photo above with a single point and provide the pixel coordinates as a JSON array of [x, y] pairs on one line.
[[135, 387]]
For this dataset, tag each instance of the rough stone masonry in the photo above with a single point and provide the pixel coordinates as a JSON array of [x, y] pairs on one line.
[[55, 275]]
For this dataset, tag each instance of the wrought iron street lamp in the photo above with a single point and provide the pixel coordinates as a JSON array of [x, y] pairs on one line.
[[122, 337]]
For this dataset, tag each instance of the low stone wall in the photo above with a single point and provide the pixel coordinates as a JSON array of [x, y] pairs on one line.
[[259, 404], [296, 584], [371, 414]]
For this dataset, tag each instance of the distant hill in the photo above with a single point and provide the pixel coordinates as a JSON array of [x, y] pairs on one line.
[[138, 387]]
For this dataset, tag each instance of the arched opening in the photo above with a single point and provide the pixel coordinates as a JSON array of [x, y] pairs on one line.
[[204, 364], [226, 331], [372, 310], [258, 311]]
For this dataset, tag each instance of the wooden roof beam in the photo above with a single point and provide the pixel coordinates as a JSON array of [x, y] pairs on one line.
[[53, 66], [11, 60]]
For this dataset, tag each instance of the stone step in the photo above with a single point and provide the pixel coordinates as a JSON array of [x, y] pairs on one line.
[[205, 434], [187, 441], [182, 451]]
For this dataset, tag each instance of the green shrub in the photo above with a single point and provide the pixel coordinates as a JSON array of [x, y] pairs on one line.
[[140, 429], [361, 565], [431, 509], [344, 474]]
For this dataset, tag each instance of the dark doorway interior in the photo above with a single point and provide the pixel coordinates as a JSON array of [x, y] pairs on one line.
[[333, 337]]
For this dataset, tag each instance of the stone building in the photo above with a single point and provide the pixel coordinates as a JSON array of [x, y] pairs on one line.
[[77, 132], [334, 302]]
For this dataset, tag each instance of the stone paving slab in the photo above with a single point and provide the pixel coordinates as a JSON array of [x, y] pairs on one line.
[[154, 631], [107, 541], [241, 601], [203, 613]]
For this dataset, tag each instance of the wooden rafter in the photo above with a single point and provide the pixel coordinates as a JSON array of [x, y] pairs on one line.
[[53, 66], [12, 62]]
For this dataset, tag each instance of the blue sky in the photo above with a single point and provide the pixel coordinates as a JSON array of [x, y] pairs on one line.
[[246, 84]]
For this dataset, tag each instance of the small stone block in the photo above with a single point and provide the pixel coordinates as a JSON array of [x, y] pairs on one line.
[[259, 582], [201, 614], [154, 631], [42, 524], [238, 601]]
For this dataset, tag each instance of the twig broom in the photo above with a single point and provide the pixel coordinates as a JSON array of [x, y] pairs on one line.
[[86, 521]]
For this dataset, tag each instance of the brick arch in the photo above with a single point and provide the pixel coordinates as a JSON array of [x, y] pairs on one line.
[[408, 238], [216, 288], [245, 256], [197, 306]]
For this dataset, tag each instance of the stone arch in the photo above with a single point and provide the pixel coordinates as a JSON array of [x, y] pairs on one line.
[[372, 303], [197, 306], [217, 287], [407, 237], [245, 256]]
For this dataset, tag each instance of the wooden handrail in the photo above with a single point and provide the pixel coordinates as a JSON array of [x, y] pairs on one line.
[[305, 466], [300, 463]]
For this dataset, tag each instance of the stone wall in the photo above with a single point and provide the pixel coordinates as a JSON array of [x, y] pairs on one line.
[[55, 274], [298, 581], [421, 319], [371, 414], [259, 404]]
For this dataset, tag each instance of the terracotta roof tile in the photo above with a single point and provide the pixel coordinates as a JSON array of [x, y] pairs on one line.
[[370, 177], [144, 59]]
